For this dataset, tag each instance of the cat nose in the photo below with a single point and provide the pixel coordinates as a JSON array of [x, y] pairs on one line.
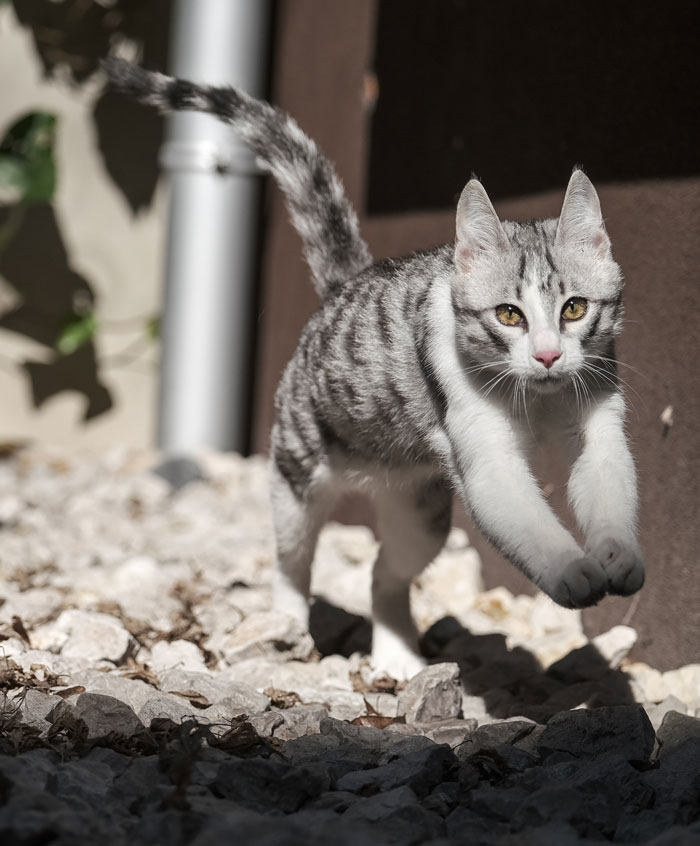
[[547, 357]]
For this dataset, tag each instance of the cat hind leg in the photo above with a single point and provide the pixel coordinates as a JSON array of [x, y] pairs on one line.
[[414, 521], [300, 505]]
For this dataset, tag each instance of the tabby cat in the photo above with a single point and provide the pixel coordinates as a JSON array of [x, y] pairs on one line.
[[439, 372]]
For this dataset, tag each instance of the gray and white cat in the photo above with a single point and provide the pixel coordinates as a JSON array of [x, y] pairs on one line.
[[439, 372]]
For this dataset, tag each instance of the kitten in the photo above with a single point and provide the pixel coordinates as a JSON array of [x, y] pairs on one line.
[[439, 372]]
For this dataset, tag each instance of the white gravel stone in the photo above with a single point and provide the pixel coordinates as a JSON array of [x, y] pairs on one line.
[[615, 644], [92, 636], [433, 694], [646, 683], [684, 682], [177, 653], [268, 634], [175, 708]]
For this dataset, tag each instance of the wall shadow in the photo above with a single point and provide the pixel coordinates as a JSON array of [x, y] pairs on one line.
[[36, 265], [520, 93]]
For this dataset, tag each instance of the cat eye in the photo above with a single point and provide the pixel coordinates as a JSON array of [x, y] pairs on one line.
[[509, 315], [574, 309]]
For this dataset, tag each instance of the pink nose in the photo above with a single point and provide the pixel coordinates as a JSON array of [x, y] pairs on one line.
[[547, 357]]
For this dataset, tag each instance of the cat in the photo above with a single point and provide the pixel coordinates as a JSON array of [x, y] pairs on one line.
[[439, 372]]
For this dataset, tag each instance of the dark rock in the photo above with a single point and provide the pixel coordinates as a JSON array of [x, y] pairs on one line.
[[647, 824], [676, 729], [443, 798], [498, 803], [492, 736], [420, 771], [676, 780], [271, 786], [465, 826], [622, 730], [397, 816], [105, 715]]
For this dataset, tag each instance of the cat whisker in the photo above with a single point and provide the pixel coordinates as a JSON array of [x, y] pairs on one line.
[[616, 361]]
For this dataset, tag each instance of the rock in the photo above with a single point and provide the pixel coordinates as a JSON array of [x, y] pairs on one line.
[[492, 736], [452, 731], [164, 705], [421, 771], [299, 721], [91, 636], [466, 826], [474, 708], [268, 634], [264, 785], [35, 706], [615, 645], [105, 715], [177, 653], [647, 684], [624, 730], [246, 701], [676, 781], [434, 694], [684, 683], [397, 814], [133, 692], [331, 672], [656, 713], [675, 729]]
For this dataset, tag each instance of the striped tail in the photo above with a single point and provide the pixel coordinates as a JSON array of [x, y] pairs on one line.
[[318, 205]]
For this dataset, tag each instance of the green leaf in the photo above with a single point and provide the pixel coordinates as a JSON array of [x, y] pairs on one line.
[[153, 328], [27, 164], [76, 332]]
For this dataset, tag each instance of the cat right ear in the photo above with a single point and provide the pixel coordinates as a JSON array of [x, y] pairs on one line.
[[478, 227]]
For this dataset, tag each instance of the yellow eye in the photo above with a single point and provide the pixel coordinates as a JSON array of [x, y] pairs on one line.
[[574, 309], [509, 315]]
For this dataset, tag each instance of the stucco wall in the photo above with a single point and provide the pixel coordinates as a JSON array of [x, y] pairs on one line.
[[118, 252]]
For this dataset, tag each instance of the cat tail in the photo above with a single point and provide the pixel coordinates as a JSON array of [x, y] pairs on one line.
[[318, 205]]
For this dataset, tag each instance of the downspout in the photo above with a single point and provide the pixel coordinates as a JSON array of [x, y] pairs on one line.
[[212, 237]]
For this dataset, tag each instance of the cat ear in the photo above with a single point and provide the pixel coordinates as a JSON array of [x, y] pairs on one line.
[[478, 226], [581, 221]]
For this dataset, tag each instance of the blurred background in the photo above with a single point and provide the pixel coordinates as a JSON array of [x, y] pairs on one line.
[[408, 98]]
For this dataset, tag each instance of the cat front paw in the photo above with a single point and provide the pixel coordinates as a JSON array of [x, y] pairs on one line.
[[622, 564], [579, 584]]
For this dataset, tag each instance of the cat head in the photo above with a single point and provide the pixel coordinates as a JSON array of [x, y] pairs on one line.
[[540, 300]]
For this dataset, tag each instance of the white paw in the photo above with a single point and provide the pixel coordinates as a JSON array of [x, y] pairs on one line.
[[622, 565], [392, 656], [579, 584], [286, 598]]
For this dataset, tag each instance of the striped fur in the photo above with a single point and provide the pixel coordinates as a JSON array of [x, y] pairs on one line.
[[406, 383]]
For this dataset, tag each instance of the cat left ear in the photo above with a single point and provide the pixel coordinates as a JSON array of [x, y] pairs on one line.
[[478, 226], [581, 221]]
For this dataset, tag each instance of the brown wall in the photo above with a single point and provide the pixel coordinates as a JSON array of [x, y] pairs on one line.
[[324, 50]]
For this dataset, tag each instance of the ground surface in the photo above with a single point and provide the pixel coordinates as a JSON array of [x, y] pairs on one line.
[[150, 695]]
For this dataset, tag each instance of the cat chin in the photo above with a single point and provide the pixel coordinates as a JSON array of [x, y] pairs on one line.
[[548, 385]]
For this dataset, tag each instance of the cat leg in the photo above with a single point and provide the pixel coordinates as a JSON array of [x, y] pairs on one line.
[[414, 521], [298, 514], [507, 504], [603, 492]]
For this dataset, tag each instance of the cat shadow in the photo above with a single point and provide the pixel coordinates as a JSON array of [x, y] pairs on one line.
[[511, 682]]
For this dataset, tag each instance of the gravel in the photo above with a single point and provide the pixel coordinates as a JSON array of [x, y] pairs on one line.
[[149, 694]]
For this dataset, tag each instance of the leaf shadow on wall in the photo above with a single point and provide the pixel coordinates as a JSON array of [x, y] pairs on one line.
[[36, 265]]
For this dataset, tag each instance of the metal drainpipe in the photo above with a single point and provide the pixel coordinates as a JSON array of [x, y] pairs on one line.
[[211, 248]]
